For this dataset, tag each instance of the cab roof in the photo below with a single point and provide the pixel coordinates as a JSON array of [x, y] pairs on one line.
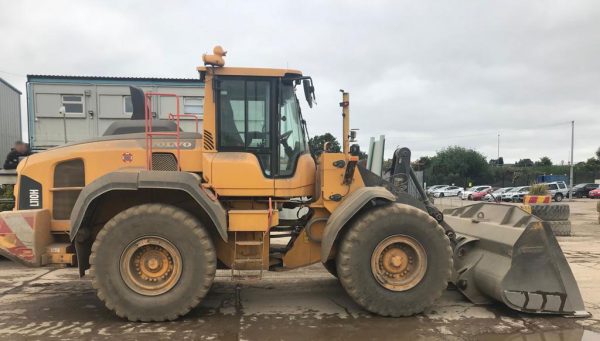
[[250, 71]]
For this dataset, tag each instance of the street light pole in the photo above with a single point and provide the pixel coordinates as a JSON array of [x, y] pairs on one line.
[[498, 146], [571, 170]]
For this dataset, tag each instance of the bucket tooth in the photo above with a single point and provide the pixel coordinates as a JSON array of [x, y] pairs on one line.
[[505, 254]]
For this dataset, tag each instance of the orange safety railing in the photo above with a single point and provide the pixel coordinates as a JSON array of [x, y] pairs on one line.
[[150, 134], [173, 117]]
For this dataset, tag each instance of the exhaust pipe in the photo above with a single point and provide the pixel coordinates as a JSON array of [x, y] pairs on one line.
[[502, 253]]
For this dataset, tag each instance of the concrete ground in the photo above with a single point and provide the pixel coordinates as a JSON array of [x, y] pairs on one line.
[[296, 305]]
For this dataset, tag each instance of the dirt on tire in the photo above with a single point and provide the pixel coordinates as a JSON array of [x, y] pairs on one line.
[[178, 227], [551, 212], [360, 240]]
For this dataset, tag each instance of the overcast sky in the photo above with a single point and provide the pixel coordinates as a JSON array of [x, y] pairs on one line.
[[427, 74]]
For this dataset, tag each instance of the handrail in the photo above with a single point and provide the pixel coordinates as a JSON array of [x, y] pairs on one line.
[[148, 128], [172, 117]]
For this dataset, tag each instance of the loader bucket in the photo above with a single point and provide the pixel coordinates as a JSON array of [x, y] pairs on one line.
[[505, 254], [24, 235]]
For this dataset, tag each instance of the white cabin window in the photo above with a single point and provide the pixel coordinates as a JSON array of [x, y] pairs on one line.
[[73, 104], [193, 105], [127, 105]]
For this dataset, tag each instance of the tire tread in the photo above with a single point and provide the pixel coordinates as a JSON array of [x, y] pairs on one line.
[[362, 226], [184, 219]]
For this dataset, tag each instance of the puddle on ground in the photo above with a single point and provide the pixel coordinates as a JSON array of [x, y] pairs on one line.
[[553, 335]]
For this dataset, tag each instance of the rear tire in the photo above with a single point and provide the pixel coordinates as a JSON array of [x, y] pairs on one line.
[[361, 276], [143, 248], [558, 197]]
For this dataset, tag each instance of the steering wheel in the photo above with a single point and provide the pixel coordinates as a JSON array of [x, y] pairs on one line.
[[286, 147], [283, 137]]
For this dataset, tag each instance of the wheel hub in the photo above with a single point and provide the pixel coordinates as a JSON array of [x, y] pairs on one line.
[[151, 266], [399, 263]]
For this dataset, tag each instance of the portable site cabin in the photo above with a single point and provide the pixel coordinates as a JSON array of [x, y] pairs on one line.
[[65, 109]]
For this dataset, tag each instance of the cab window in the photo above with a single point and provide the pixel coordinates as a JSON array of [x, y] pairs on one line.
[[292, 140], [244, 111]]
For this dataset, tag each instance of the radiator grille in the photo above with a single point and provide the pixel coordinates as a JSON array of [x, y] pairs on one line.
[[164, 162], [63, 202], [209, 143], [69, 174], [69, 179]]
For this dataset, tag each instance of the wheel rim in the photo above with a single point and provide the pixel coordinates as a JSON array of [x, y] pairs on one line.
[[399, 263], [151, 266]]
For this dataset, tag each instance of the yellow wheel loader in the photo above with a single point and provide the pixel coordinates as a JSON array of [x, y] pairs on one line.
[[151, 212]]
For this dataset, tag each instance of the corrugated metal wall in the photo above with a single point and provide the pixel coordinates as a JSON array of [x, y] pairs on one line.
[[10, 119]]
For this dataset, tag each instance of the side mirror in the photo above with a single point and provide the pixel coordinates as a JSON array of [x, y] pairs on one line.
[[309, 91]]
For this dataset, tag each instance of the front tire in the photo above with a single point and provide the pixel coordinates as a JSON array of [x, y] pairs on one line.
[[152, 262], [394, 260], [331, 267], [558, 197]]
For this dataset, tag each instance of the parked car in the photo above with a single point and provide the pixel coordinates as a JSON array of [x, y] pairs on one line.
[[497, 194], [469, 192], [595, 193], [516, 194], [430, 189], [477, 196], [558, 190], [448, 191], [582, 190]]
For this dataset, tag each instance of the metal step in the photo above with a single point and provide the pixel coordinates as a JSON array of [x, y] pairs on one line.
[[254, 260], [58, 253], [249, 242]]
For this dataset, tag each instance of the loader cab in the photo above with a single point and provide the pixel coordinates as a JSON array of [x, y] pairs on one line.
[[261, 142]]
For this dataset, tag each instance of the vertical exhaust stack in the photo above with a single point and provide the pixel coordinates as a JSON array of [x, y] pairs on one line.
[[137, 101]]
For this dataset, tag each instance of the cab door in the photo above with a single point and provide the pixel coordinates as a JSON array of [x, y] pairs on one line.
[[294, 166], [243, 165]]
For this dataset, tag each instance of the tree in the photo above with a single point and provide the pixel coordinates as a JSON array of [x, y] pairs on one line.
[[524, 163], [544, 162], [458, 165], [421, 163], [317, 142], [591, 164], [598, 153]]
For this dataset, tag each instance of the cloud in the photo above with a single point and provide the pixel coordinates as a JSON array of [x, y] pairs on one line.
[[426, 74]]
